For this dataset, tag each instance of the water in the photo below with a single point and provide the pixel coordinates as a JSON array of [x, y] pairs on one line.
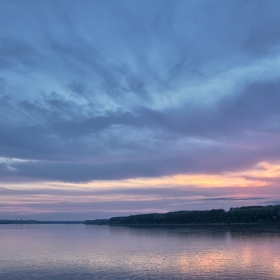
[[102, 252]]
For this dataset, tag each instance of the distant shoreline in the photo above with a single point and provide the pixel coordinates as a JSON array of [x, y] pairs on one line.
[[242, 216], [34, 222], [197, 225], [245, 215]]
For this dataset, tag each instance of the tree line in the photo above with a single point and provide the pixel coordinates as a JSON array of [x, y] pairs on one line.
[[245, 214]]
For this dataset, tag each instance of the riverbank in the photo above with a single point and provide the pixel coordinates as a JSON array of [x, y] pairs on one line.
[[242, 215]]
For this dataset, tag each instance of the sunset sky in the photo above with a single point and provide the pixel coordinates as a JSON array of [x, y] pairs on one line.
[[118, 107]]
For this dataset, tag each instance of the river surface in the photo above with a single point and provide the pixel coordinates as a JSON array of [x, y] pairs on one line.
[[102, 252]]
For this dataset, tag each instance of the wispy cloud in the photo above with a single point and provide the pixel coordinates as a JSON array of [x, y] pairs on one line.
[[123, 90]]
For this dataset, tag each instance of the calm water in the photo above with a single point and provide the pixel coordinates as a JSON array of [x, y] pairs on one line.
[[103, 252]]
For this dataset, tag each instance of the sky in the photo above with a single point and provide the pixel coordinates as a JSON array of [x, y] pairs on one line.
[[111, 108]]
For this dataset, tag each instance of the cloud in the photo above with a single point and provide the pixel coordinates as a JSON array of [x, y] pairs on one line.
[[124, 90], [95, 203]]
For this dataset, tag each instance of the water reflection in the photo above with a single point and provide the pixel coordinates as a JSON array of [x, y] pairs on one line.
[[213, 251], [103, 252]]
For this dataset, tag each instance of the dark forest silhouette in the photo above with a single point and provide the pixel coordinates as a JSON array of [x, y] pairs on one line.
[[245, 214]]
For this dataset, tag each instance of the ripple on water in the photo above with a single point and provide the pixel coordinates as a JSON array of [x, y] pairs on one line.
[[102, 252]]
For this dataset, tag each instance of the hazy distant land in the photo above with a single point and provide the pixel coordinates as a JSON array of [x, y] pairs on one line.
[[241, 215], [21, 222]]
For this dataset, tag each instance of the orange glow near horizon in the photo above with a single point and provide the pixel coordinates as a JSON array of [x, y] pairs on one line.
[[41, 196], [258, 176]]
